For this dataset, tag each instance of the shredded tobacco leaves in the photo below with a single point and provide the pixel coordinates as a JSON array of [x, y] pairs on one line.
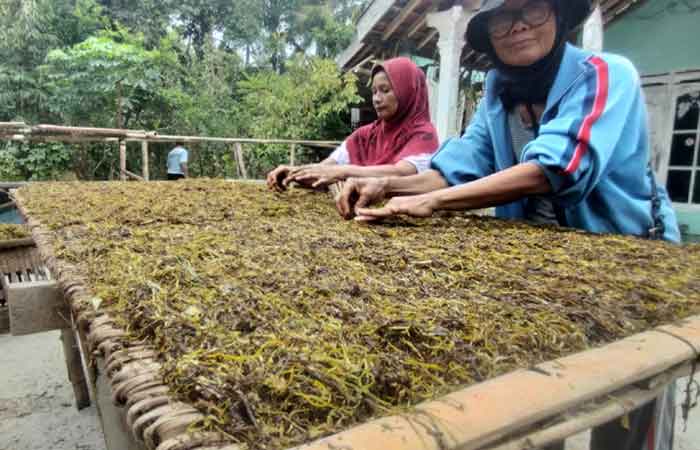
[[10, 232], [285, 323]]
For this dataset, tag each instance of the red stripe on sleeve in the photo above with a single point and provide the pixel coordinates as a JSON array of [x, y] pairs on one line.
[[601, 99]]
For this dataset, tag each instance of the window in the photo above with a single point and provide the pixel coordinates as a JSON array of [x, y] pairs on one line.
[[683, 182]]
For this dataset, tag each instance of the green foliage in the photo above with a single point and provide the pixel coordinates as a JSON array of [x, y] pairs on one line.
[[150, 17], [307, 102], [246, 68], [205, 106], [318, 26], [29, 29], [35, 162], [105, 77], [9, 169]]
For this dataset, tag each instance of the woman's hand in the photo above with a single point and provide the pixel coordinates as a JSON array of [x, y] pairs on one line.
[[317, 175], [277, 178], [359, 193], [415, 206]]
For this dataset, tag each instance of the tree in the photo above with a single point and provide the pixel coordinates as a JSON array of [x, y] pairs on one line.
[[36, 162], [28, 30], [148, 17], [309, 101], [247, 68], [271, 31], [317, 27], [107, 80]]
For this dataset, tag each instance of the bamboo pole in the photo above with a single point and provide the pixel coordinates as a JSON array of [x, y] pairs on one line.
[[132, 135], [13, 137], [12, 184], [16, 243], [52, 138], [618, 404], [12, 127], [160, 139], [174, 138], [134, 176], [292, 154], [87, 131], [4, 317], [144, 160], [234, 157], [122, 160], [240, 160], [22, 131]]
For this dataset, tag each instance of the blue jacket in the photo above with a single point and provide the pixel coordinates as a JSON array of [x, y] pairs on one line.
[[593, 146]]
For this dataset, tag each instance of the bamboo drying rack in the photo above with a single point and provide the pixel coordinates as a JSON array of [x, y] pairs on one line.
[[524, 409]]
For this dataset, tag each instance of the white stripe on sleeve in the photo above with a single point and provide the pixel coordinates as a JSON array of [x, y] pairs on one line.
[[422, 161], [340, 155]]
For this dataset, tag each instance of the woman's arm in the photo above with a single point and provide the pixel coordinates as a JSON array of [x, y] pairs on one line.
[[500, 188], [329, 162], [400, 169], [361, 192], [319, 175]]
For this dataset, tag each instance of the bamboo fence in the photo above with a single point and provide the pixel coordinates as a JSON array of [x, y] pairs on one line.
[[22, 132]]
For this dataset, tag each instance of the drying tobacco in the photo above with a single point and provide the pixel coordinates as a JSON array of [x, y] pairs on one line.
[[10, 232], [284, 323]]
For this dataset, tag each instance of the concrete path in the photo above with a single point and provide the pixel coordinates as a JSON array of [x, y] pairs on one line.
[[37, 409], [688, 434]]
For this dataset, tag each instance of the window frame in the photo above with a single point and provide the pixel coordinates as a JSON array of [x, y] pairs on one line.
[[694, 166], [662, 93]]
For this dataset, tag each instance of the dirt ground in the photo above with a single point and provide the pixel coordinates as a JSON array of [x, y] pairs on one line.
[[37, 412]]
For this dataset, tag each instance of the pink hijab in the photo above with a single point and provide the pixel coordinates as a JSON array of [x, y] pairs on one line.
[[409, 132]]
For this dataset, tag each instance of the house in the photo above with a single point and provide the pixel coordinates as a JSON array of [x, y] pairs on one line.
[[662, 39], [657, 35]]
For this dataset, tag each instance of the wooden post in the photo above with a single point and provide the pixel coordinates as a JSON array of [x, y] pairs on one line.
[[293, 155], [235, 161], [4, 320], [144, 160], [240, 162], [122, 160], [132, 175], [75, 368]]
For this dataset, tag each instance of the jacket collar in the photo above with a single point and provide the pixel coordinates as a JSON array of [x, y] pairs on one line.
[[571, 69]]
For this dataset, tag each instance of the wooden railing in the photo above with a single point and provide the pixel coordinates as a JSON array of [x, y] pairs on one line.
[[20, 131]]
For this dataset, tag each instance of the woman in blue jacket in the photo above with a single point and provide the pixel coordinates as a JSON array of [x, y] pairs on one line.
[[560, 137]]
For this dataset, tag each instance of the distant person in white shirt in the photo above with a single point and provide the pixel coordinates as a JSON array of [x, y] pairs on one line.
[[177, 162]]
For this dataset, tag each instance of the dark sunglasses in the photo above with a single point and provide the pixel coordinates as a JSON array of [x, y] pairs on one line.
[[534, 14]]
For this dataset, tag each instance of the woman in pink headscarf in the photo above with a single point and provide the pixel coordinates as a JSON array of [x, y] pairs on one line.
[[400, 142]]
